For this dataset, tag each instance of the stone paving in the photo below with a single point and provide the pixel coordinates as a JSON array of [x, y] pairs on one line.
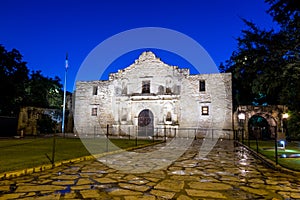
[[227, 172]]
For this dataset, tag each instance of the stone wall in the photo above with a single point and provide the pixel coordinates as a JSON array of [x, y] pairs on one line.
[[29, 116], [272, 114]]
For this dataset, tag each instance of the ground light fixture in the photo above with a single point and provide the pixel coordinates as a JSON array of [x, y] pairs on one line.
[[281, 144], [241, 116]]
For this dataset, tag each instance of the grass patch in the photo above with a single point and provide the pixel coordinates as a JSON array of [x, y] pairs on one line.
[[26, 153], [267, 148]]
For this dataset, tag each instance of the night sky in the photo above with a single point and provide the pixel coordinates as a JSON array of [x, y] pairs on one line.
[[43, 31]]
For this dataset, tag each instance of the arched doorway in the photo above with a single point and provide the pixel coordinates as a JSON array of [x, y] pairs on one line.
[[145, 123], [258, 127]]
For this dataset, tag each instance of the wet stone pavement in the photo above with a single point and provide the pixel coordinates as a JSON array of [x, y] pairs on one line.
[[227, 172]]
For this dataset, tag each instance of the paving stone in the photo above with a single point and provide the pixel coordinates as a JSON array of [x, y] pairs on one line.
[[285, 195], [65, 177], [163, 194], [11, 196], [80, 187], [105, 180], [261, 192], [204, 193], [281, 188], [209, 186], [153, 179], [140, 188], [89, 194], [229, 178], [139, 198], [184, 197], [4, 188], [139, 181], [170, 185], [39, 188], [44, 181], [71, 195], [295, 195], [84, 181], [30, 194], [185, 178], [63, 182], [123, 192], [256, 180], [257, 186], [115, 176]]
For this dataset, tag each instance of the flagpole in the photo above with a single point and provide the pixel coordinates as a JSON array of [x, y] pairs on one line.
[[64, 102]]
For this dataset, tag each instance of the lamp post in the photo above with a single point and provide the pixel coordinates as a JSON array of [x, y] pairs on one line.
[[242, 117], [283, 123], [284, 116]]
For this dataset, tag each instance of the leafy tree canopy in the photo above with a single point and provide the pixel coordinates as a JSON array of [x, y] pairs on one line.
[[265, 66], [20, 88]]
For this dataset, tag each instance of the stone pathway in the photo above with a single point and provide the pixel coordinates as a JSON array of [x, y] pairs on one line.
[[227, 172]]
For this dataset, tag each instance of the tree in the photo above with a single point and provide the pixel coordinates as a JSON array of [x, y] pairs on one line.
[[19, 88], [43, 91], [266, 64], [13, 78]]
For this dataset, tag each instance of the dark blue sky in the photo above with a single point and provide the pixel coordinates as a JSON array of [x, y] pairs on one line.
[[43, 30]]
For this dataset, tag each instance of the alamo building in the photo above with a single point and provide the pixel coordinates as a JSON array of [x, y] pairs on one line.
[[149, 97]]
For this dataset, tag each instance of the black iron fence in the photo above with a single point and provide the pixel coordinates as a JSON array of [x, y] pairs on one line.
[[132, 132], [276, 148]]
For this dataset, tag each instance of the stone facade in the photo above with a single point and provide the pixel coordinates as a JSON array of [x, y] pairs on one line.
[[150, 95], [273, 114]]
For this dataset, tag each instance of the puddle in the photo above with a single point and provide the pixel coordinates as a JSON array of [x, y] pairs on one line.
[[64, 191], [179, 172]]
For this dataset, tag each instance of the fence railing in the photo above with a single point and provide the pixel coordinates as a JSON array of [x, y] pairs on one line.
[[154, 132], [274, 148]]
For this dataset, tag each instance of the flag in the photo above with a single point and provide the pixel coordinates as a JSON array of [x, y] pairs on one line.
[[67, 64]]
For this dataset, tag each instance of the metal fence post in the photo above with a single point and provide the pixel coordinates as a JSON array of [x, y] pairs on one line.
[[107, 129], [165, 134], [256, 143], [94, 132], [248, 139], [276, 152], [175, 132], [136, 136]]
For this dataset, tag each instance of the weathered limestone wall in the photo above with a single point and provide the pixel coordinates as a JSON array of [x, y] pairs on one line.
[[217, 96], [85, 101], [173, 98]]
